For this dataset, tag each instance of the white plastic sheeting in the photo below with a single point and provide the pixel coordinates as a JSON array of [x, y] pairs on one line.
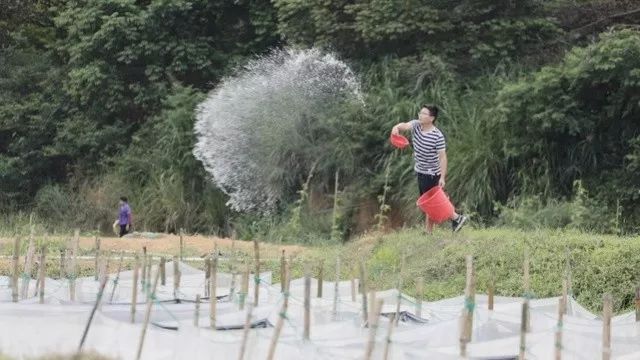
[[31, 329]]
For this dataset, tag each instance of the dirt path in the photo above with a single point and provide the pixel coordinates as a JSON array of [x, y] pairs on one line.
[[169, 245]]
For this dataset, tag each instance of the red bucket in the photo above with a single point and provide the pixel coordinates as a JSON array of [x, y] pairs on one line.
[[399, 141], [436, 205]]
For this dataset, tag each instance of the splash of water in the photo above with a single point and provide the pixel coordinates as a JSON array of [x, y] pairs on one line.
[[256, 116]]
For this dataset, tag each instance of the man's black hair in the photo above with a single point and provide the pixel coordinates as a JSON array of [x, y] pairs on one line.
[[433, 110], [124, 198]]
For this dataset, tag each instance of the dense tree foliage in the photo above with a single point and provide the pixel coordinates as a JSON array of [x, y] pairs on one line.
[[97, 99]]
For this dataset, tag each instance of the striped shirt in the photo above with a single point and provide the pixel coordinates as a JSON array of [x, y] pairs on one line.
[[425, 148]]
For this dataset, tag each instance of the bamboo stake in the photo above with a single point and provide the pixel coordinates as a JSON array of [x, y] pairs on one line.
[[16, 264], [176, 278], [196, 316], [387, 343], [363, 286], [565, 288], [523, 329], [320, 278], [256, 289], [26, 278], [134, 295], [96, 255], [163, 271], [399, 286], [419, 295], [115, 281], [245, 332], [607, 312], [149, 265], [373, 328], [207, 275], [147, 314], [470, 298], [466, 320], [637, 303], [244, 288], [353, 289], [281, 318], [307, 303], [282, 271], [213, 284], [232, 268], [372, 308], [62, 263], [181, 244], [74, 268], [42, 273], [93, 312], [336, 290], [526, 285], [558, 343], [492, 290]]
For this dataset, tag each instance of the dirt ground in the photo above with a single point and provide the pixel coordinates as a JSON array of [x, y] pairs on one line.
[[163, 244]]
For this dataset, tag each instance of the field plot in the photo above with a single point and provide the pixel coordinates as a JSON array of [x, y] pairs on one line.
[[181, 326]]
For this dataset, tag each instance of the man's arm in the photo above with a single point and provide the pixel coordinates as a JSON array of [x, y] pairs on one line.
[[442, 154], [403, 126]]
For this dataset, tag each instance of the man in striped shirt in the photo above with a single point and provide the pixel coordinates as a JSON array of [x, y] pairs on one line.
[[430, 156]]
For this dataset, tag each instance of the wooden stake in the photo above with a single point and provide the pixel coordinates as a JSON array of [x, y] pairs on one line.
[[523, 329], [93, 312], [256, 288], [558, 343], [336, 290], [353, 289], [281, 318], [637, 303], [74, 267], [163, 271], [16, 264], [320, 278], [176, 278], [399, 287], [28, 262], [42, 273], [96, 255], [492, 289], [373, 328], [181, 245], [363, 286], [134, 294], [207, 275], [526, 285], [387, 343], [372, 307], [245, 332], [282, 271], [607, 312], [147, 314], [419, 295], [307, 303], [62, 263], [244, 288], [149, 264], [196, 316], [115, 282], [466, 320], [470, 298], [565, 288], [213, 284]]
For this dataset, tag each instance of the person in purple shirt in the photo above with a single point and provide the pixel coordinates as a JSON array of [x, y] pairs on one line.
[[124, 216]]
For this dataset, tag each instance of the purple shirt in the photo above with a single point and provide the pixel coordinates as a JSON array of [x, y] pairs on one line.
[[125, 215]]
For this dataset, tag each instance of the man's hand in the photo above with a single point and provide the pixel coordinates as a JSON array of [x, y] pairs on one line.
[[395, 131], [441, 182]]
